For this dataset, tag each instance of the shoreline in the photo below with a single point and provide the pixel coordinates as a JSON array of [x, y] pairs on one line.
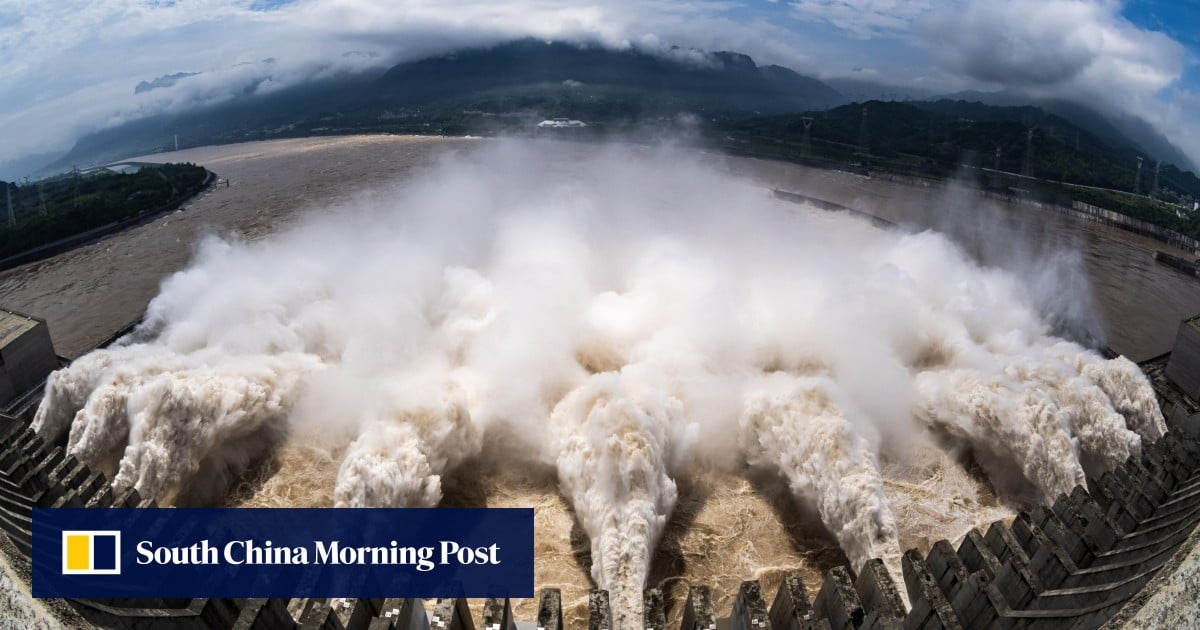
[[102, 232]]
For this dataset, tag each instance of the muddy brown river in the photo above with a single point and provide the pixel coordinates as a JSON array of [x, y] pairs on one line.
[[725, 529]]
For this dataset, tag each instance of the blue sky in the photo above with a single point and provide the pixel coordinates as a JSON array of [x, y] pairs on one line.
[[1181, 21], [69, 67], [1176, 18]]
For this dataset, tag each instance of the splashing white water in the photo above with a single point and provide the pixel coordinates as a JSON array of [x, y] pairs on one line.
[[1125, 386], [174, 414], [399, 460], [613, 449], [793, 424], [653, 313], [179, 419], [67, 391]]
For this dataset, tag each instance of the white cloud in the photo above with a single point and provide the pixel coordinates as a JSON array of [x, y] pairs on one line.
[[1052, 43], [1082, 50], [863, 18], [1178, 114], [70, 67]]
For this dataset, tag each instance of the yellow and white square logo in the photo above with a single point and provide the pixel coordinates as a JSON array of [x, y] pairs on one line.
[[91, 553]]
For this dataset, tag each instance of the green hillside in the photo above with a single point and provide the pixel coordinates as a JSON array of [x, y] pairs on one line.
[[61, 207], [994, 145]]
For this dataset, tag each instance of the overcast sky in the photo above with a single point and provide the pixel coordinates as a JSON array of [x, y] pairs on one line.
[[70, 67]]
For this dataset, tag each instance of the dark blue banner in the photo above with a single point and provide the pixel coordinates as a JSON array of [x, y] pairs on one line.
[[243, 552]]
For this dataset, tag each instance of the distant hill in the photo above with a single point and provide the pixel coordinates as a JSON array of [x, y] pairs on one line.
[[529, 76], [722, 81], [240, 119], [29, 165], [936, 138], [86, 205], [1079, 154], [938, 135], [861, 90], [1122, 130], [511, 87]]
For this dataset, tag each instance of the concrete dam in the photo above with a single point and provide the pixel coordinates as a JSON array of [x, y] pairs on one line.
[[1105, 555]]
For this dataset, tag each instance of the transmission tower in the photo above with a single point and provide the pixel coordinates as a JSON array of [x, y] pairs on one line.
[[75, 186], [1027, 167], [12, 219], [1137, 178], [805, 146], [863, 146], [1154, 189]]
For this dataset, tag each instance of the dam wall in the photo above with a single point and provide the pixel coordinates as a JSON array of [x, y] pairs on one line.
[[1110, 553], [1075, 563]]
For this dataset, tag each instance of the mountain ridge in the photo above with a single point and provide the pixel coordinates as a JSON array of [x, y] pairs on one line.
[[526, 78], [1131, 130]]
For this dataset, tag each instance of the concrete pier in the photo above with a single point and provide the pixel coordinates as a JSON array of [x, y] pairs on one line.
[[497, 614], [550, 610], [698, 611], [749, 609], [654, 614], [599, 611], [451, 614], [791, 609]]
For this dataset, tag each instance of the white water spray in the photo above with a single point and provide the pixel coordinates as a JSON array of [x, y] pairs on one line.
[[614, 447], [399, 460], [648, 310], [794, 425]]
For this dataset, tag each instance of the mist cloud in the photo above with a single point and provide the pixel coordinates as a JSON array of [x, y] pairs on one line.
[[626, 316]]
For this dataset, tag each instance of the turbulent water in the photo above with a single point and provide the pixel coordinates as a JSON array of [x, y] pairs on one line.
[[795, 426], [18, 610], [614, 447], [625, 320]]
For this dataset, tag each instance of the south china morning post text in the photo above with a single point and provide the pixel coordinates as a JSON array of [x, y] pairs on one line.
[[240, 552], [283, 552]]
